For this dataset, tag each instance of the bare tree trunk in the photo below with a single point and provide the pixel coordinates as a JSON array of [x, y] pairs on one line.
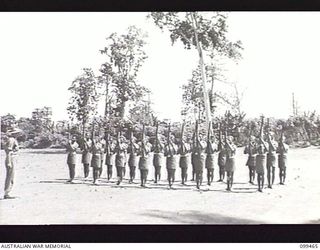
[[203, 75]]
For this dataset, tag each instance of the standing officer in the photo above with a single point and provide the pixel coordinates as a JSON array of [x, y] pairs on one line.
[[282, 151], [271, 159], [199, 156], [143, 160], [120, 150], [11, 147], [157, 150], [110, 155], [72, 157], [210, 150], [133, 157], [86, 146], [170, 152], [184, 161]]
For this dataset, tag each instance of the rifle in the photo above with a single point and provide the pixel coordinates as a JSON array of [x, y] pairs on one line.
[[158, 147], [220, 138], [69, 134], [261, 133]]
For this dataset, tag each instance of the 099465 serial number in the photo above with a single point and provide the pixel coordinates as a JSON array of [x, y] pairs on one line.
[[309, 246]]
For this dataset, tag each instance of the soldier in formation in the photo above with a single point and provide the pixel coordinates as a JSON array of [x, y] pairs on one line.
[[271, 159], [96, 149], [250, 150], [282, 151], [86, 155], [157, 150], [199, 156], [170, 152], [110, 155], [133, 157], [143, 160], [230, 166], [120, 151], [184, 161], [210, 151], [72, 147]]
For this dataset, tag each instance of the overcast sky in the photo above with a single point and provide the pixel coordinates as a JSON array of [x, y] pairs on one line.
[[41, 53]]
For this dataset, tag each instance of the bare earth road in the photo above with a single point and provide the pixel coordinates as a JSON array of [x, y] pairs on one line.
[[43, 197]]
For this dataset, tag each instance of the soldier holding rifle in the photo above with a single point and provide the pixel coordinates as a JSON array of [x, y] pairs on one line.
[[157, 156], [222, 156], [250, 149], [110, 155], [193, 155], [170, 152], [262, 148], [96, 149], [183, 150], [72, 155], [133, 157], [230, 160], [210, 150], [282, 151], [271, 157], [86, 155], [143, 160], [120, 151], [199, 156]]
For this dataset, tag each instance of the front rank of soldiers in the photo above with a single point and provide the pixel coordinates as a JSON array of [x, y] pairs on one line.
[[262, 152]]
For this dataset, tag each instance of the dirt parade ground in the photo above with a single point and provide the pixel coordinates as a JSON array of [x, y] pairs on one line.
[[44, 197]]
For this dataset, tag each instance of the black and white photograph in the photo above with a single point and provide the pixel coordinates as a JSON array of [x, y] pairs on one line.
[[198, 117]]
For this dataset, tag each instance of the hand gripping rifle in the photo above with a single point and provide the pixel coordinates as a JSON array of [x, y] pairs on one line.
[[182, 147], [158, 146], [261, 134], [210, 148]]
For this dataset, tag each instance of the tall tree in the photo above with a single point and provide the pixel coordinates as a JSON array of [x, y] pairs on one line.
[[125, 56], [206, 32], [84, 99]]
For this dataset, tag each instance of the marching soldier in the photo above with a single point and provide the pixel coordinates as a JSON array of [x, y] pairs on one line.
[[210, 150], [110, 156], [271, 159], [157, 157], [250, 149], [282, 151], [230, 160], [133, 157], [72, 157], [120, 158], [184, 163], [222, 157], [11, 147], [96, 149], [85, 159], [199, 157], [170, 152], [143, 160]]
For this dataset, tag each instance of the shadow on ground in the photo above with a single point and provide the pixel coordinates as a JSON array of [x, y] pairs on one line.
[[196, 217]]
